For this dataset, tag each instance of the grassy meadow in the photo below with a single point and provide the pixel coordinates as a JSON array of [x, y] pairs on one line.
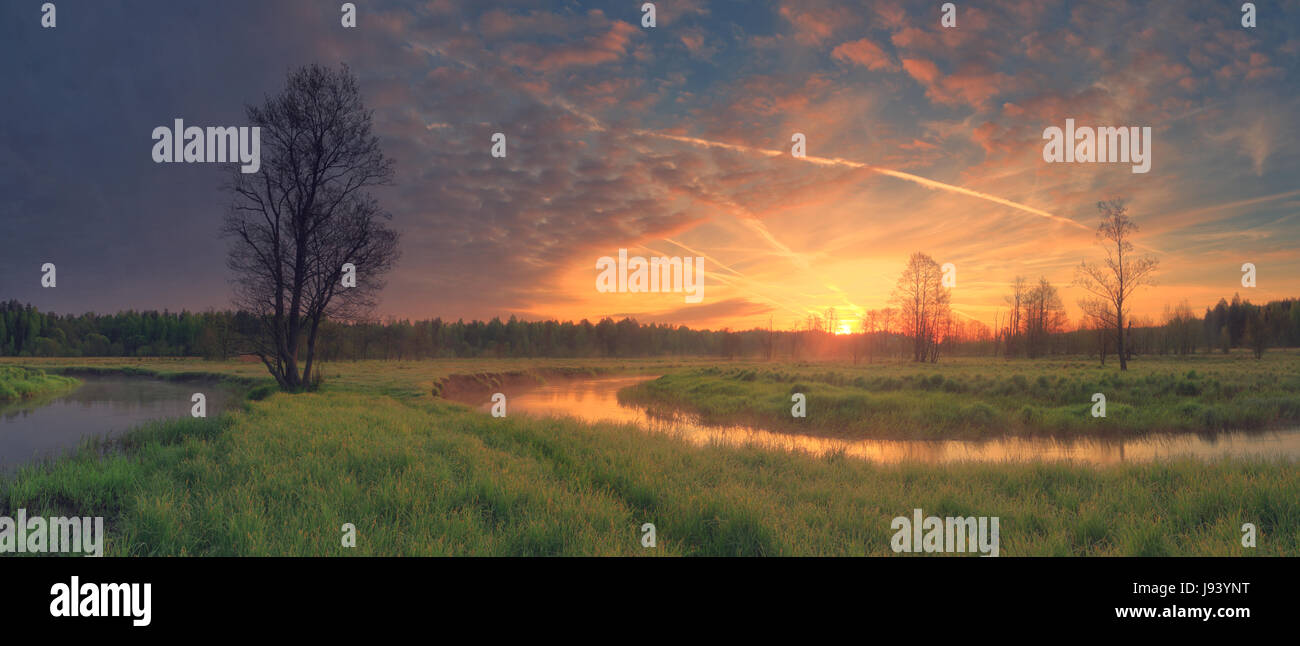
[[418, 475]]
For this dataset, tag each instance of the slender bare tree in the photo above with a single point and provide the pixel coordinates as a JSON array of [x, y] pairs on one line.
[[1120, 274], [923, 305], [306, 214], [885, 320], [769, 340], [1015, 300]]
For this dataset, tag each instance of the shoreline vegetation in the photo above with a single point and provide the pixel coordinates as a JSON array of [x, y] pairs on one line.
[[419, 475], [20, 384], [971, 400]]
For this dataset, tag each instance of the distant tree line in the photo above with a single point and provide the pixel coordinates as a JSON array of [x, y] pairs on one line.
[[1039, 329], [26, 331]]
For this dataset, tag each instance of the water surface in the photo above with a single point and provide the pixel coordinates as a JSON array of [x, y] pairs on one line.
[[102, 406], [595, 400]]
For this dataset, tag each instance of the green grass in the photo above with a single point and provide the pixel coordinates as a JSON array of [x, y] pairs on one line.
[[419, 476], [971, 398], [17, 383]]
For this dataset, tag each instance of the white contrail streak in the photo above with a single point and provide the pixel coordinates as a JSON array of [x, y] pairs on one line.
[[898, 174], [595, 124], [704, 255]]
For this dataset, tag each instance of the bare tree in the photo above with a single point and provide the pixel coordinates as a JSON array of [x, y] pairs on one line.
[[1180, 329], [1044, 316], [1016, 302], [997, 330], [885, 321], [923, 305], [769, 340], [1116, 278], [1098, 316], [814, 323], [307, 213], [870, 324]]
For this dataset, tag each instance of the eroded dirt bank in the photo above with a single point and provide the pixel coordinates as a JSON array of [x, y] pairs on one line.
[[471, 387]]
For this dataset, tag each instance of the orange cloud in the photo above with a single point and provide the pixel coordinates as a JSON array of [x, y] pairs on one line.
[[864, 52], [815, 24], [921, 70], [594, 50]]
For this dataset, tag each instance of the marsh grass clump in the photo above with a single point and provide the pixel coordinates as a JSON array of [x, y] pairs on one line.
[[19, 383]]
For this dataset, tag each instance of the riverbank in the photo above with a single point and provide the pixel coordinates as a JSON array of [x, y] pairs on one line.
[[418, 475], [461, 387], [103, 406], [982, 399], [436, 479], [18, 383]]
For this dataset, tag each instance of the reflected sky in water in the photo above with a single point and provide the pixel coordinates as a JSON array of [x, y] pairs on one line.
[[100, 406]]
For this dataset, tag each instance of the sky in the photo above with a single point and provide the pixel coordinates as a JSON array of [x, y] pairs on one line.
[[671, 141]]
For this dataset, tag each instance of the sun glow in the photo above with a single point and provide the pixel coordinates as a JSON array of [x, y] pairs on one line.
[[846, 327]]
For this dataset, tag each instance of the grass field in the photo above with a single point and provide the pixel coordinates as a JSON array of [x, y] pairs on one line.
[[417, 475], [18, 383]]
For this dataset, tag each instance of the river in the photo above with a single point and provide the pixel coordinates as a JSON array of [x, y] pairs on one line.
[[595, 400], [101, 405]]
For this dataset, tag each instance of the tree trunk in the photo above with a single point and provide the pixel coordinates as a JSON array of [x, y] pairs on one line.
[[1119, 325], [311, 350]]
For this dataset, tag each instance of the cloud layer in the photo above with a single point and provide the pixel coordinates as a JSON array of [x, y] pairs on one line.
[[659, 141]]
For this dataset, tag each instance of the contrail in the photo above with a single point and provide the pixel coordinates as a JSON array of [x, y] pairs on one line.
[[1232, 205], [898, 174], [728, 281], [756, 225], [704, 255], [597, 125]]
